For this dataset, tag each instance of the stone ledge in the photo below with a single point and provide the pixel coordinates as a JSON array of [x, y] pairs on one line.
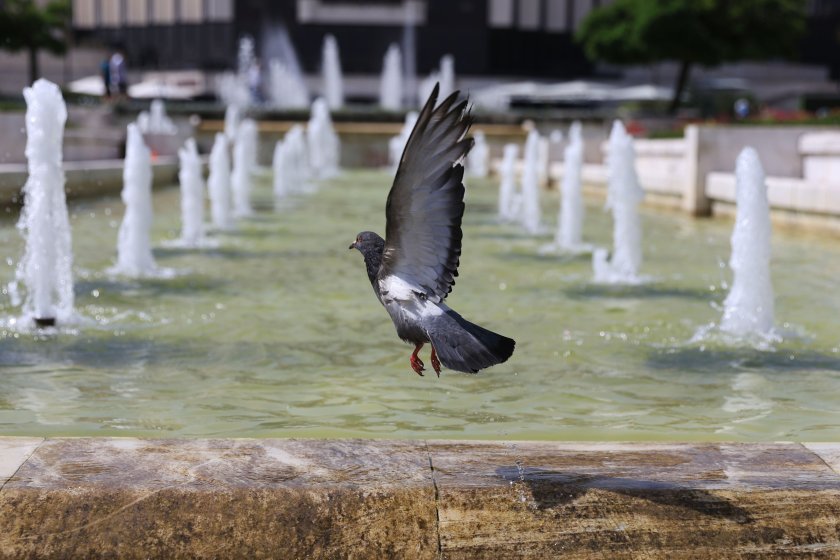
[[85, 178], [136, 498]]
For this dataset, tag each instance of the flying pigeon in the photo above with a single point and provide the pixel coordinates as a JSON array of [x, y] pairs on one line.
[[413, 269]]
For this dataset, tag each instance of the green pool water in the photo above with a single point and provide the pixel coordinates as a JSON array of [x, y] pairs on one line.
[[277, 333]]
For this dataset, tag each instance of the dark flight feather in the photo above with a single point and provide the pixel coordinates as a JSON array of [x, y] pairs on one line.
[[426, 202]]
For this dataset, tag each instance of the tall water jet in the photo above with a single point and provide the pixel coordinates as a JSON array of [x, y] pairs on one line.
[[509, 199], [444, 75], [155, 121], [244, 163], [231, 122], [478, 160], [134, 245], [286, 90], [245, 62], [570, 220], [748, 309], [396, 144], [192, 196], [46, 267], [233, 87], [291, 164], [331, 68], [231, 91], [409, 49], [218, 184], [324, 145], [543, 160], [530, 214], [391, 85], [624, 194], [447, 76]]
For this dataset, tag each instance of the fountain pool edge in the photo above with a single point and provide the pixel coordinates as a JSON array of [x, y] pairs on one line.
[[85, 178], [127, 497]]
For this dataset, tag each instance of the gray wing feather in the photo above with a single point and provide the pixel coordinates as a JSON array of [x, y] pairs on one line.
[[426, 202]]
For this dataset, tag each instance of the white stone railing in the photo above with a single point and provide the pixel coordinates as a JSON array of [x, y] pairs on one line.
[[697, 171]]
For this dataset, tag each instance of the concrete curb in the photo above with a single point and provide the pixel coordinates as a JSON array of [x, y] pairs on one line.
[[136, 498], [85, 178]]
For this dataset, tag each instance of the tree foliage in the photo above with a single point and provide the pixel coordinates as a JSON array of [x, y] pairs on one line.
[[707, 32], [26, 26]]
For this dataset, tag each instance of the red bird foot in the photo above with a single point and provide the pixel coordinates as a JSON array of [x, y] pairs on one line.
[[416, 362], [435, 362]]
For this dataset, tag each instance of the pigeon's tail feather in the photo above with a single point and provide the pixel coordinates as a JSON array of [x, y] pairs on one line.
[[464, 346]]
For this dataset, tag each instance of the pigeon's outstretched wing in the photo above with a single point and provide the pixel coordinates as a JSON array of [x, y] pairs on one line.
[[426, 202]]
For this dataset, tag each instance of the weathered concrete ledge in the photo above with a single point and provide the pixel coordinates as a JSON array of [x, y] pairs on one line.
[[85, 178], [135, 498]]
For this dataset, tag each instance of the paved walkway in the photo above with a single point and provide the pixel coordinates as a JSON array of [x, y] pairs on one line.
[[137, 498]]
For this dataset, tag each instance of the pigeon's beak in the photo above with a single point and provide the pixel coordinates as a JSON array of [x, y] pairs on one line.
[[352, 245]]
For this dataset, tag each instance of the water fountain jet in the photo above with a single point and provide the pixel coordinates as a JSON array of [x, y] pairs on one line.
[[530, 214], [134, 246], [391, 85], [331, 67], [287, 88], [244, 164], [509, 200], [46, 267], [324, 145], [231, 122], [479, 156], [155, 120], [624, 194], [192, 196], [748, 308], [218, 184], [570, 220], [291, 164], [396, 144]]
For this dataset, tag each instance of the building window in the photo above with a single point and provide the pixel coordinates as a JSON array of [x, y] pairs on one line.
[[110, 14], [219, 10], [361, 12], [556, 17], [192, 11], [500, 13], [84, 14], [137, 12], [163, 11], [529, 14]]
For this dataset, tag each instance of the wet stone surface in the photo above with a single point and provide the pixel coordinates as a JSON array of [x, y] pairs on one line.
[[134, 498]]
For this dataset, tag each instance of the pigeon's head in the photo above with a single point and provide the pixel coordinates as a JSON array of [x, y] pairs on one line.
[[368, 242]]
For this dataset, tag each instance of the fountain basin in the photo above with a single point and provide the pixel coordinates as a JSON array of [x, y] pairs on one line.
[[275, 333]]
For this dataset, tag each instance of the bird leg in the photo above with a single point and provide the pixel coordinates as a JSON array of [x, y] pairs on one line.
[[435, 362], [416, 362]]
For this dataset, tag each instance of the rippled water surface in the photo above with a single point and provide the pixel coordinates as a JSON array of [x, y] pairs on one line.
[[277, 333]]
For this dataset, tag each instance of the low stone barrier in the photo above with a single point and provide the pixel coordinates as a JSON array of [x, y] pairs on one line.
[[137, 498], [84, 178]]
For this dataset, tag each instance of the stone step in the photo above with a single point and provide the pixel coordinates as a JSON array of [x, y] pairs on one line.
[[139, 498]]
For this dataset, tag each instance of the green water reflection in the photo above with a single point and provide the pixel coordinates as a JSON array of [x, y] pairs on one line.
[[277, 333]]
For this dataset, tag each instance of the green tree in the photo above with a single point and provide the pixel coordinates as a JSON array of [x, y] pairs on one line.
[[706, 32], [26, 26]]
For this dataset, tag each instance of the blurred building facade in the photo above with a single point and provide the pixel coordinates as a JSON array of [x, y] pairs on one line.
[[487, 37], [490, 39]]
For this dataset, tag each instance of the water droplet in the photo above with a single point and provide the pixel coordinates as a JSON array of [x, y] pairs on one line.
[[95, 293]]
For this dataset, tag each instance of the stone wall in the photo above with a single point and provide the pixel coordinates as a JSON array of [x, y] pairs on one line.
[[696, 172]]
